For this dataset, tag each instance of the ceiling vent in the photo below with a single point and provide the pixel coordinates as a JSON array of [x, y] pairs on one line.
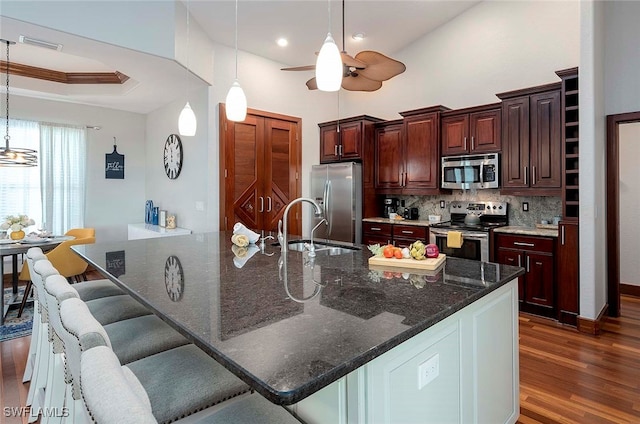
[[40, 43]]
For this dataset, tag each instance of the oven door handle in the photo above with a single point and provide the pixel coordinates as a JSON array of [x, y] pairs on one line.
[[479, 237]]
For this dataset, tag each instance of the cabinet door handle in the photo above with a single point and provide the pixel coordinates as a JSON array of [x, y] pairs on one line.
[[562, 235], [473, 144], [261, 204], [525, 175], [407, 232], [533, 179], [269, 203], [521, 243], [465, 143], [527, 264], [340, 150], [335, 150], [519, 260]]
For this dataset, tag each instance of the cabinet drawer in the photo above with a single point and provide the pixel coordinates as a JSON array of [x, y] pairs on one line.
[[410, 232], [376, 228], [538, 244], [381, 239]]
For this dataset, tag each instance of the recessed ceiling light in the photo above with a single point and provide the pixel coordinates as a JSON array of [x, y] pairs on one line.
[[282, 42], [358, 36]]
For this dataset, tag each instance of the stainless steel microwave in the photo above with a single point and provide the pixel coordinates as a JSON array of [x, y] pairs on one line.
[[471, 171]]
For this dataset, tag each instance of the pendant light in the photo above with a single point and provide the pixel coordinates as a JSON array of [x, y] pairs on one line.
[[187, 123], [329, 66], [236, 102], [15, 156]]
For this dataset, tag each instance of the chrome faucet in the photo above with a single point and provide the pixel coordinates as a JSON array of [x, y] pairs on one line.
[[282, 232]]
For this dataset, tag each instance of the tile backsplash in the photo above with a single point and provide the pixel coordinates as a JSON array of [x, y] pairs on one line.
[[540, 207]]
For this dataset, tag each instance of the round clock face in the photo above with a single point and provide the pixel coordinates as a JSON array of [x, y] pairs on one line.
[[173, 156], [174, 278]]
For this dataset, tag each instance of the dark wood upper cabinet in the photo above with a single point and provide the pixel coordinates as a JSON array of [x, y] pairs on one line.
[[346, 139], [407, 153], [389, 164], [471, 130], [532, 141]]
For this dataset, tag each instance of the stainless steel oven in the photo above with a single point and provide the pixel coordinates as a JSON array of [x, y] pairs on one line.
[[475, 244]]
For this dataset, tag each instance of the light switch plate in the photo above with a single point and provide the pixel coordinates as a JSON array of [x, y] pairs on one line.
[[525, 206], [428, 370]]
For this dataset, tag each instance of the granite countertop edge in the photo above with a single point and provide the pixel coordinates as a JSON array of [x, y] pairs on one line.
[[529, 231], [414, 222]]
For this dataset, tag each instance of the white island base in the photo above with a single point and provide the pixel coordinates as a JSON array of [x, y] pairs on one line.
[[463, 369]]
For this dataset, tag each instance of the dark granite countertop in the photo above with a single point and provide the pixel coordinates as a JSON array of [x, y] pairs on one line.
[[288, 341]]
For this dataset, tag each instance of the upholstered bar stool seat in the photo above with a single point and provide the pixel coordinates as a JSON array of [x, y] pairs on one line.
[[125, 395], [136, 338], [96, 289], [108, 310]]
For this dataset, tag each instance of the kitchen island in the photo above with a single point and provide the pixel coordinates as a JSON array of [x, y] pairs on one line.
[[330, 337]]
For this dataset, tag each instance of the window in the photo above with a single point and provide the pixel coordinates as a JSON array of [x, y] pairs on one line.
[[53, 193]]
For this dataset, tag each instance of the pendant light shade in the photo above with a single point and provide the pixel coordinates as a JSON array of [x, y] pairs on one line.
[[187, 123], [329, 66], [236, 103], [14, 156]]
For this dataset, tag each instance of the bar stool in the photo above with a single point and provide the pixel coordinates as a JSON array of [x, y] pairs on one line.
[[179, 381]]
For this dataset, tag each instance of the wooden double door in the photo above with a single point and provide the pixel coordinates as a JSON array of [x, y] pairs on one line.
[[260, 162]]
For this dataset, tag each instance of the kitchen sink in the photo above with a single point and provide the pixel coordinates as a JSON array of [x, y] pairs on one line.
[[322, 248]]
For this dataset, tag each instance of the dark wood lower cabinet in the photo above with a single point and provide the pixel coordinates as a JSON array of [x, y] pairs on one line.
[[568, 272], [536, 289]]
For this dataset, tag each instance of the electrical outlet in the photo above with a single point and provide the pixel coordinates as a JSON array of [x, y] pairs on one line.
[[442, 204], [525, 206], [428, 370]]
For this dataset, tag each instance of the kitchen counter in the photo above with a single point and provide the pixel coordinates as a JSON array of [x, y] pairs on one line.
[[528, 231], [291, 330], [415, 222]]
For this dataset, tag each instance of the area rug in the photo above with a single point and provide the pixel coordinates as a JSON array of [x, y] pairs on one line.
[[15, 327]]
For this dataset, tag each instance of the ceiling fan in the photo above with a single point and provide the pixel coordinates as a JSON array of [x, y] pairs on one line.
[[364, 72]]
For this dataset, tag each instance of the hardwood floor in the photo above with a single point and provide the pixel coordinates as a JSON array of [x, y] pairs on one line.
[[570, 377], [565, 376]]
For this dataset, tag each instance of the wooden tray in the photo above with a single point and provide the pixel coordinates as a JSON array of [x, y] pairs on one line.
[[428, 264]]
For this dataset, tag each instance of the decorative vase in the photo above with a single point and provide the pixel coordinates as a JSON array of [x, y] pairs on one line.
[[16, 235]]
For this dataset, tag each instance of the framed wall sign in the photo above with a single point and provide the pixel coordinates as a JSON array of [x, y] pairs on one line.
[[114, 164]]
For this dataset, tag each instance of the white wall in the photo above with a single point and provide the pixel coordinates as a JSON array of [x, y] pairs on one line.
[[493, 47], [111, 204], [629, 152], [593, 251]]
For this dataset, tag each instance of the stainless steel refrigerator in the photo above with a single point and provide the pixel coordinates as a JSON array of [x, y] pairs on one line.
[[337, 187]]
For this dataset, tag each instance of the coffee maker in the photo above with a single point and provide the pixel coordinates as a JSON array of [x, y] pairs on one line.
[[390, 206]]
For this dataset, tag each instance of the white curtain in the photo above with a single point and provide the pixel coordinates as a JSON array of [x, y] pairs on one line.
[[62, 175], [20, 187]]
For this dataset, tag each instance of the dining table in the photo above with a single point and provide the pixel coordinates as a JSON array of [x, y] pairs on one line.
[[15, 248], [289, 324]]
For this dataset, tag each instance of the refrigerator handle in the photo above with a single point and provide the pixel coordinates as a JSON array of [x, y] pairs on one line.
[[327, 208]]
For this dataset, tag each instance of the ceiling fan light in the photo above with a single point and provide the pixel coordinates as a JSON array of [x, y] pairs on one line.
[[236, 103], [187, 123], [329, 66]]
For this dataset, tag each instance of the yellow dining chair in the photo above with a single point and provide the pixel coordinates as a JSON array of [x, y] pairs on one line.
[[67, 263]]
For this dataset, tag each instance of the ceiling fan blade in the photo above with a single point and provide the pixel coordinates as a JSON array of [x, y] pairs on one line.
[[350, 62], [312, 84], [300, 68], [379, 67], [360, 83]]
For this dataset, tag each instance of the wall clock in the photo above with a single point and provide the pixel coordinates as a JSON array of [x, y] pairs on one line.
[[174, 278], [173, 156]]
